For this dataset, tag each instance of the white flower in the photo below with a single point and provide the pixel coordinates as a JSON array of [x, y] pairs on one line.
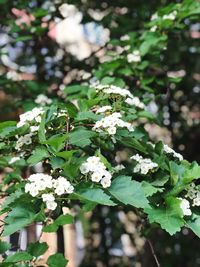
[[154, 16], [134, 56], [93, 160], [85, 168], [96, 177], [13, 160], [105, 182], [51, 205], [118, 168], [62, 186], [34, 129], [171, 16], [29, 116], [125, 38], [185, 206], [48, 197], [110, 123], [43, 100], [169, 150], [135, 101], [60, 190], [97, 171], [153, 28], [103, 109], [112, 130], [144, 165]]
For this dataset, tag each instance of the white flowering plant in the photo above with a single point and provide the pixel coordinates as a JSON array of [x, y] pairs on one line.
[[92, 147]]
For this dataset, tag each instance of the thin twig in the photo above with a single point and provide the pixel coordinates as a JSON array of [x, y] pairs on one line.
[[153, 253]]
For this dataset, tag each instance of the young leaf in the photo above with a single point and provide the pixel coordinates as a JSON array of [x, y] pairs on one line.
[[38, 155], [19, 256], [57, 260], [81, 137], [4, 246], [169, 218], [19, 217], [37, 249], [128, 192]]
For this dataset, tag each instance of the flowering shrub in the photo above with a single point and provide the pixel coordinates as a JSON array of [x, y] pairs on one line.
[[78, 142]]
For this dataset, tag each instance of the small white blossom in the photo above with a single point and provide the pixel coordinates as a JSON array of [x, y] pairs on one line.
[[169, 150], [43, 100], [110, 124], [153, 28], [144, 165], [103, 109], [118, 168], [135, 101], [29, 116], [185, 206], [97, 171], [48, 197], [105, 182], [154, 16], [134, 56], [171, 16], [125, 37], [13, 160], [51, 205]]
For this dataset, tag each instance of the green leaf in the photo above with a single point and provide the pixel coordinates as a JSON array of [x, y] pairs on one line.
[[176, 172], [10, 199], [39, 154], [149, 189], [95, 195], [37, 249], [66, 154], [64, 219], [50, 228], [192, 172], [88, 115], [194, 224], [19, 256], [128, 192], [41, 131], [132, 142], [19, 217], [169, 217], [57, 260], [61, 220], [57, 142], [81, 137], [4, 246]]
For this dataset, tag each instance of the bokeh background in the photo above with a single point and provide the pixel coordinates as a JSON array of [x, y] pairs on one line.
[[44, 48]]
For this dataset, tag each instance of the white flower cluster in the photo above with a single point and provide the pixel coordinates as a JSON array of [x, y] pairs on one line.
[[171, 16], [135, 101], [32, 116], [43, 100], [118, 168], [134, 56], [110, 124], [29, 116], [103, 109], [44, 185], [185, 206], [143, 165], [194, 194], [125, 37], [112, 89], [169, 150], [97, 171]]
